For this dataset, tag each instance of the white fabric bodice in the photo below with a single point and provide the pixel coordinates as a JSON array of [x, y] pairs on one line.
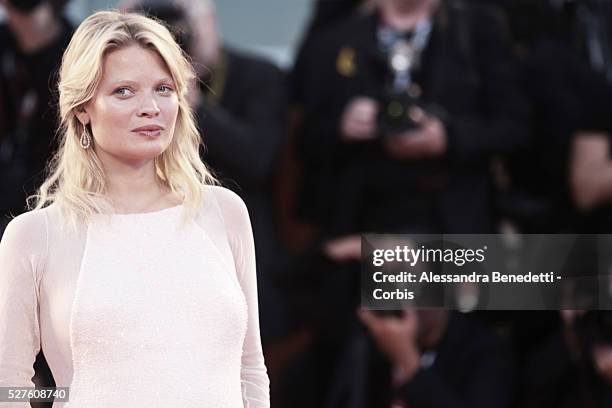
[[162, 309]]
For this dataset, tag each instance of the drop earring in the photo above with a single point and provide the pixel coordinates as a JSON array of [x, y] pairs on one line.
[[85, 138]]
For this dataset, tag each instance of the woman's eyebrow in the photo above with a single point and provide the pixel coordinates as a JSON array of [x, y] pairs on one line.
[[136, 83], [122, 82]]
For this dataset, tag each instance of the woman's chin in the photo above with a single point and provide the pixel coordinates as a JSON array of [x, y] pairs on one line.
[[134, 157], [149, 149]]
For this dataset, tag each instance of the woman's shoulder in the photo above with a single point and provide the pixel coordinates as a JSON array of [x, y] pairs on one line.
[[229, 202], [232, 208], [28, 224], [28, 232]]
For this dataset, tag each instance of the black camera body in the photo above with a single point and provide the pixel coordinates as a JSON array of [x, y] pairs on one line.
[[394, 116]]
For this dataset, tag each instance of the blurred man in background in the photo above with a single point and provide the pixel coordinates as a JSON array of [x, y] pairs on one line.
[[32, 41], [429, 172], [441, 359]]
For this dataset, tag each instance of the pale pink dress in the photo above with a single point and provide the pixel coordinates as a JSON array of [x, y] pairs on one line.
[[136, 310]]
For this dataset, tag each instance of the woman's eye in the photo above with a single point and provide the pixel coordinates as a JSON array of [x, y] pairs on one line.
[[123, 91], [165, 89]]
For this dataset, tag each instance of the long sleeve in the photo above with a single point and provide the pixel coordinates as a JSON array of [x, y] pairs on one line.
[[253, 375], [21, 260]]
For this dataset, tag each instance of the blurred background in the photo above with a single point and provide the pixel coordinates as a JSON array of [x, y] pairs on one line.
[[333, 118], [283, 22]]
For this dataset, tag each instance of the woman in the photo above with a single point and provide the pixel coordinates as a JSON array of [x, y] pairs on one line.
[[134, 273]]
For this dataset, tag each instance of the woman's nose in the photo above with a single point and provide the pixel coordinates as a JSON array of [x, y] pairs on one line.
[[149, 108]]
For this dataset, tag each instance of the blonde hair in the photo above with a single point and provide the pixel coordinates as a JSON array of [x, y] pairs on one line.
[[76, 179]]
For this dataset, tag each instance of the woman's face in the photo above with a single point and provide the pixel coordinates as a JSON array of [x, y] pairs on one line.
[[133, 112]]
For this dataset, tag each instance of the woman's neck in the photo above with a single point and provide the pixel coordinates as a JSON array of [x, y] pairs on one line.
[[133, 190]]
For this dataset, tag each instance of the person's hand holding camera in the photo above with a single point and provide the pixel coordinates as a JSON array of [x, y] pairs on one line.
[[358, 122], [427, 141]]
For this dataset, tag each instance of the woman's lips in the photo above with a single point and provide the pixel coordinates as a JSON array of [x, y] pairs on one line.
[[149, 131]]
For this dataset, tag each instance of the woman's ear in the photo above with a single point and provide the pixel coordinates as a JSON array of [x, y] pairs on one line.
[[82, 115]]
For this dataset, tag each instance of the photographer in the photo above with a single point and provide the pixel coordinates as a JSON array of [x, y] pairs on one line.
[[374, 162], [31, 44]]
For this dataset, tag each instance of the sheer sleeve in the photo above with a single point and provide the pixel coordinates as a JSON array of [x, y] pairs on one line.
[[253, 375], [22, 251]]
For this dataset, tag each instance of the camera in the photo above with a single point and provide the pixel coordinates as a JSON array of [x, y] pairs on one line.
[[395, 115]]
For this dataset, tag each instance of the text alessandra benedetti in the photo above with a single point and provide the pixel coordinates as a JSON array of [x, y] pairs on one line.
[[494, 277]]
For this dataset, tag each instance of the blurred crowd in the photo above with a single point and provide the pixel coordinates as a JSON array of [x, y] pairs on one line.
[[398, 116]]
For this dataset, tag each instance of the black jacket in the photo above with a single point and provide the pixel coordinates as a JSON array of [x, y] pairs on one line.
[[471, 369]]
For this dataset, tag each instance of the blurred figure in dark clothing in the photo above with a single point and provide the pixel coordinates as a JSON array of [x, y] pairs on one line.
[[591, 176], [442, 359], [591, 160], [325, 14], [240, 106], [435, 177], [561, 172], [298, 234], [573, 368], [593, 34], [566, 93], [32, 41]]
